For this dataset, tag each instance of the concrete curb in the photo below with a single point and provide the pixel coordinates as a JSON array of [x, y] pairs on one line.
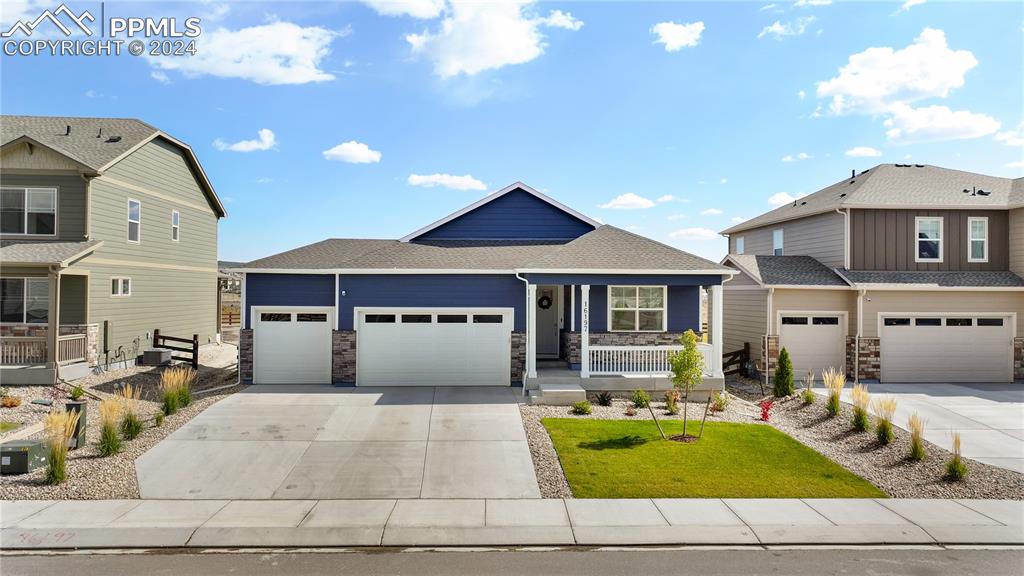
[[28, 525]]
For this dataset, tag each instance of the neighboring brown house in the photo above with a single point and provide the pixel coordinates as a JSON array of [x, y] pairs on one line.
[[901, 273]]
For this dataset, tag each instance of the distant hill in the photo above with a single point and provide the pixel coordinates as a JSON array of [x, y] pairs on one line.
[[225, 264]]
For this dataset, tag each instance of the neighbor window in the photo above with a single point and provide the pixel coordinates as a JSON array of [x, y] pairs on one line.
[[120, 286], [134, 220], [777, 242], [25, 300], [175, 218], [637, 308], [739, 244], [28, 211], [977, 239], [929, 239]]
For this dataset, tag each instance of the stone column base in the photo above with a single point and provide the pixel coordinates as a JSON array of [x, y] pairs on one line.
[[245, 355], [870, 358], [518, 353], [343, 357], [1018, 358]]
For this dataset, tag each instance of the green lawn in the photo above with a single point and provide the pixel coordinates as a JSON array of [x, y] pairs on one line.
[[628, 459]]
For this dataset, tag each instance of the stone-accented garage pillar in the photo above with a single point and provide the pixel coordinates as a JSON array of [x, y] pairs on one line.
[[245, 355], [769, 355], [343, 357], [870, 358], [518, 352], [1018, 358]]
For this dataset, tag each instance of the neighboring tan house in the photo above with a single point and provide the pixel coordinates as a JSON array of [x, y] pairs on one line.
[[901, 273], [515, 288], [109, 231]]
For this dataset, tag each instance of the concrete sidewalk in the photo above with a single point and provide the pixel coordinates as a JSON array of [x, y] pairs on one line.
[[351, 523]]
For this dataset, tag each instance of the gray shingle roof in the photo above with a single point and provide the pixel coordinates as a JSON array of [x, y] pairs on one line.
[[787, 270], [326, 254], [879, 279], [82, 144], [899, 186], [610, 248], [13, 252]]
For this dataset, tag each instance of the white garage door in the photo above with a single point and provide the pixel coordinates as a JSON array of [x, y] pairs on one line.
[[292, 346], [814, 342], [434, 347], [956, 348]]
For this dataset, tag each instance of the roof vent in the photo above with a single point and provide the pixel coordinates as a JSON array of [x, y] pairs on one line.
[[113, 139], [919, 165], [975, 191], [843, 195], [803, 203], [100, 133], [68, 133]]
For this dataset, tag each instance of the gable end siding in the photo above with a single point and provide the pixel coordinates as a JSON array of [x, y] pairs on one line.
[[821, 237], [516, 215], [70, 202]]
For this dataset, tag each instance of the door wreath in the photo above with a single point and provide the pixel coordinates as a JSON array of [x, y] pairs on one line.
[[544, 302]]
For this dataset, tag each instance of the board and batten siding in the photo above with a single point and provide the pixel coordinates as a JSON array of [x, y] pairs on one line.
[[70, 202], [970, 303], [743, 319], [516, 215], [1016, 220], [885, 240], [822, 236], [174, 284]]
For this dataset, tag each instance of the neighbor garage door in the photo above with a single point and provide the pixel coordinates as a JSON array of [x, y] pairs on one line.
[[955, 348], [292, 346], [433, 347], [814, 341]]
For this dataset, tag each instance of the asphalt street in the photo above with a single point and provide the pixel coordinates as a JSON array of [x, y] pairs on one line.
[[748, 562]]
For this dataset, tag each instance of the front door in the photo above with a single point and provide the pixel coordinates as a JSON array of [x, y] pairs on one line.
[[547, 321]]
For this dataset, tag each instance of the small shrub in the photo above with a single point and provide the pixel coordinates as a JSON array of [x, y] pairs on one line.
[[77, 393], [807, 394], [766, 409], [672, 401], [641, 399], [885, 409], [834, 382], [59, 427], [158, 420], [783, 381], [861, 401], [604, 398], [956, 469], [4, 391], [916, 425], [10, 401], [581, 408], [719, 401], [110, 440], [630, 411]]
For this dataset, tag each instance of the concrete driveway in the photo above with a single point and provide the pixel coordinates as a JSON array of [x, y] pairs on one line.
[[322, 442], [989, 417]]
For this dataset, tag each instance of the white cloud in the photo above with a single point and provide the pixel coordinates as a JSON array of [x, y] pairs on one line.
[[694, 234], [801, 94], [665, 198], [723, 181], [677, 36], [424, 9], [160, 77], [796, 157], [1012, 137], [628, 201], [778, 30], [710, 212], [353, 152], [1017, 164], [805, 3], [783, 198], [92, 94], [767, 7], [863, 152], [265, 141], [910, 4], [874, 80], [936, 123], [274, 53], [465, 182], [738, 219], [474, 37]]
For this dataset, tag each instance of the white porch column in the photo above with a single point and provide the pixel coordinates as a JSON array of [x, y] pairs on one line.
[[531, 331], [585, 331], [716, 330]]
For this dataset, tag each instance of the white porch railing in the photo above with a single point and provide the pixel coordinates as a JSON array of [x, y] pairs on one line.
[[27, 350], [72, 348], [639, 360]]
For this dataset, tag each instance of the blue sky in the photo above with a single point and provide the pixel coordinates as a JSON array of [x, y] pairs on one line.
[[669, 119]]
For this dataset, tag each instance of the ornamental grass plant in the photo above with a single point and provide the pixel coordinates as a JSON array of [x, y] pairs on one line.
[[110, 420], [131, 424], [58, 427], [916, 425], [861, 400], [885, 410], [835, 381]]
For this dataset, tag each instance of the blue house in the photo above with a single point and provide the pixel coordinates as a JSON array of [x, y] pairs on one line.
[[515, 289]]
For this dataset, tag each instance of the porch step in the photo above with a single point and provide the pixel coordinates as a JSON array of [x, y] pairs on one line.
[[557, 394], [559, 364]]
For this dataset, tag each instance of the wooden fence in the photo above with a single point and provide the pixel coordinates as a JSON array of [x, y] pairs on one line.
[[735, 362], [161, 341]]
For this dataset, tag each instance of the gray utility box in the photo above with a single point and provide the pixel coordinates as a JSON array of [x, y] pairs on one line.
[[21, 456], [156, 357]]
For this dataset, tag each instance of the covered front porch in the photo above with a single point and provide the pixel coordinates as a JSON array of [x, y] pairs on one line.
[[615, 332]]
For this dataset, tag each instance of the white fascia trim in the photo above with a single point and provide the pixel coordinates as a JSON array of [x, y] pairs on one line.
[[494, 196], [1000, 206], [354, 271], [744, 270], [932, 288], [614, 271], [803, 287]]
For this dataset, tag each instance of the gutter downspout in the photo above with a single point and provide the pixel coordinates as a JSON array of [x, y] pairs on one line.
[[526, 320], [846, 237], [768, 330], [856, 340]]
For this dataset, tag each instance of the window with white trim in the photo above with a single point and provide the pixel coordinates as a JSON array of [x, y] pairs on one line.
[[30, 211], [636, 308], [24, 300], [120, 287], [175, 221], [928, 236], [977, 239], [777, 242], [134, 220], [739, 244]]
